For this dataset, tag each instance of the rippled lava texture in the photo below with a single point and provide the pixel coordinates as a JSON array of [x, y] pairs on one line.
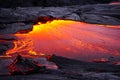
[[69, 39]]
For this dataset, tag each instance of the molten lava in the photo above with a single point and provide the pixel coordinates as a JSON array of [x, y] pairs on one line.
[[70, 39]]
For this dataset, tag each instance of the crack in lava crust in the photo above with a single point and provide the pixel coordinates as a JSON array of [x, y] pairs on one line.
[[70, 39]]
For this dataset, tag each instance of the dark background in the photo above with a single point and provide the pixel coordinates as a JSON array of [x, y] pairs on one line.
[[44, 3]]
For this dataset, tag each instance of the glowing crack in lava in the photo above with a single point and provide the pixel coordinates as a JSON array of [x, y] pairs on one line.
[[70, 39]]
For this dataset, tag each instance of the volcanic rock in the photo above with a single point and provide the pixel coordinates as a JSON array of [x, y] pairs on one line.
[[97, 14], [43, 3], [25, 66], [100, 14], [16, 27], [72, 71], [77, 65], [4, 70], [44, 19], [4, 46]]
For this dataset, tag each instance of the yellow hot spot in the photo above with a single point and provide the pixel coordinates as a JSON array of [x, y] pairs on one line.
[[42, 54], [32, 52]]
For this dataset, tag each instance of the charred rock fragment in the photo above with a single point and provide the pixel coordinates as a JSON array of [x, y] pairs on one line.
[[44, 19], [25, 66]]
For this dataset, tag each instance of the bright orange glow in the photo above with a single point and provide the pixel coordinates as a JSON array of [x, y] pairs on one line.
[[69, 39], [103, 60], [5, 57], [32, 52], [42, 54]]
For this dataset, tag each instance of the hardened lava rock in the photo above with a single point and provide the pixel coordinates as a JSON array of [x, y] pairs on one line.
[[25, 66]]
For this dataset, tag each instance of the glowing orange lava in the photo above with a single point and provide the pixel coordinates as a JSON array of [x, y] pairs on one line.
[[69, 39]]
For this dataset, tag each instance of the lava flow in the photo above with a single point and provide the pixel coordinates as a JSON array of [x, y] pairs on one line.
[[70, 39]]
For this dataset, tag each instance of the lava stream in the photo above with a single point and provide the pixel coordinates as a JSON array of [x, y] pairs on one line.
[[69, 39]]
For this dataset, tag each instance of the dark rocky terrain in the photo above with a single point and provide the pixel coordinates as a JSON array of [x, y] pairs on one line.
[[68, 69], [45, 3], [22, 18]]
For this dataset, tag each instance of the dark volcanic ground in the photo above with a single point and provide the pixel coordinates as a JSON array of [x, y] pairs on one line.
[[68, 69], [47, 3]]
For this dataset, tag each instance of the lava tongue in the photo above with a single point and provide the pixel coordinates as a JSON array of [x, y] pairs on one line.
[[24, 66]]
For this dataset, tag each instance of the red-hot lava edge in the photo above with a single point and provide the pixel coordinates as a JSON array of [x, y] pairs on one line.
[[68, 38]]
